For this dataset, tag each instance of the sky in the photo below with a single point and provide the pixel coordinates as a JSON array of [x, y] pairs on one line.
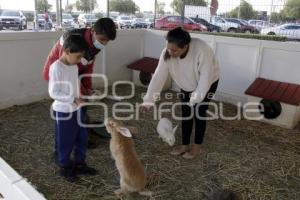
[[148, 5]]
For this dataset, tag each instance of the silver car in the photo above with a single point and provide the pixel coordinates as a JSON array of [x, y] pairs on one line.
[[87, 20], [291, 31], [124, 22], [12, 19], [68, 21]]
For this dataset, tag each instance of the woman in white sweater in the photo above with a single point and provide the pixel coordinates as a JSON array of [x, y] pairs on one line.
[[194, 67]]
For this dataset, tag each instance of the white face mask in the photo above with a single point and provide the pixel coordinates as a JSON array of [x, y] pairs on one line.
[[98, 44]]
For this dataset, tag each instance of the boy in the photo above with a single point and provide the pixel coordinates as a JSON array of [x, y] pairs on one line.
[[64, 89], [97, 38]]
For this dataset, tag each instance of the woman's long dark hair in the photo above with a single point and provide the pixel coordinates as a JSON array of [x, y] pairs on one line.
[[179, 37]]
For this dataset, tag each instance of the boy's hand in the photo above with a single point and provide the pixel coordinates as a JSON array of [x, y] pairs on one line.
[[79, 101], [144, 109], [89, 92]]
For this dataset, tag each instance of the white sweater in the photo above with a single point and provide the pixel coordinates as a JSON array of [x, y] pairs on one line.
[[63, 86], [195, 73]]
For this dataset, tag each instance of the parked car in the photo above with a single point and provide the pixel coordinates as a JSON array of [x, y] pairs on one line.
[[171, 22], [210, 27], [224, 24], [12, 19], [124, 22], [259, 24], [291, 31], [139, 23], [68, 21], [41, 21], [244, 26], [150, 22], [87, 20]]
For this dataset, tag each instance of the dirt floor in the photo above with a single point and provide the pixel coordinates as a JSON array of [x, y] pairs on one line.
[[254, 159]]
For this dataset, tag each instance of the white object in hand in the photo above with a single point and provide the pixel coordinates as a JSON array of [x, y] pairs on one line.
[[95, 96], [166, 131]]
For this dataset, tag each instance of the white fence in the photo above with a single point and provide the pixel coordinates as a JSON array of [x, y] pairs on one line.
[[23, 55], [241, 61], [15, 187]]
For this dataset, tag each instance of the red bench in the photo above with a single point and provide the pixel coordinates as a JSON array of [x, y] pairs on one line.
[[275, 91], [143, 70], [280, 100]]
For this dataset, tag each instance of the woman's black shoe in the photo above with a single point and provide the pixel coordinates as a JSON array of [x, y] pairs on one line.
[[69, 173], [85, 170]]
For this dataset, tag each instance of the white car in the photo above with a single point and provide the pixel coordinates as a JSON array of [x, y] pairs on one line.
[[12, 19], [150, 22], [87, 20], [139, 23], [68, 21], [291, 31], [224, 24], [259, 24], [124, 22]]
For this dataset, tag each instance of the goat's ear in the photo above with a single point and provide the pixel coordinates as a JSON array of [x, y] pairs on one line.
[[125, 132]]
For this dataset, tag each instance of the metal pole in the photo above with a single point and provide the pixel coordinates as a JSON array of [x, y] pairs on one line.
[[182, 13], [155, 5], [36, 26], [57, 13], [239, 12], [91, 6], [60, 12], [271, 9], [107, 10]]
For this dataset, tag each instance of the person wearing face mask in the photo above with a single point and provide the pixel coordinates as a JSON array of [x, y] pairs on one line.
[[194, 67], [97, 37], [103, 31]]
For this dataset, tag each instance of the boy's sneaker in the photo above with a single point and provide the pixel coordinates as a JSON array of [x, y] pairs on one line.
[[82, 168], [69, 173]]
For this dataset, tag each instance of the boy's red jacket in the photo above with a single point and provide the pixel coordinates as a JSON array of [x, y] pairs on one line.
[[85, 68]]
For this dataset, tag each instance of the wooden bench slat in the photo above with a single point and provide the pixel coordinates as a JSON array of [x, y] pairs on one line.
[[289, 93], [279, 92], [271, 89], [296, 97], [254, 86], [262, 88]]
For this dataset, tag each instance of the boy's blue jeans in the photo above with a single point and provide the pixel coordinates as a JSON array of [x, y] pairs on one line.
[[70, 137]]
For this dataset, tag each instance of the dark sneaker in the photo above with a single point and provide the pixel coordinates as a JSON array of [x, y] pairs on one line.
[[85, 170], [69, 173]]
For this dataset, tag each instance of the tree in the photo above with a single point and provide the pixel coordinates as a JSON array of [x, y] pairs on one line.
[[86, 5], [43, 5], [243, 11], [99, 15], [291, 10], [277, 17], [69, 8], [139, 15], [124, 6], [178, 5], [160, 7]]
